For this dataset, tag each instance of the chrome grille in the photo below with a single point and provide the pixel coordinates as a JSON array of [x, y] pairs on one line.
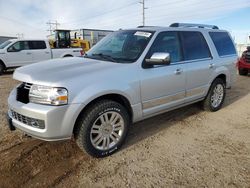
[[23, 92], [37, 123]]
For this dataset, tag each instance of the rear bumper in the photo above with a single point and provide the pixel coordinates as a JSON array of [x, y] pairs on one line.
[[243, 65]]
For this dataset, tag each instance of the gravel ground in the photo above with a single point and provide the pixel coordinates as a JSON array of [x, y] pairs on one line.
[[183, 148]]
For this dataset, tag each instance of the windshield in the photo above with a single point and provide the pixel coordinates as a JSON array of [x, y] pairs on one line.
[[121, 46], [6, 43]]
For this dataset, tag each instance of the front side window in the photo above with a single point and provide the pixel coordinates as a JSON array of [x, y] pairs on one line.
[[37, 45], [121, 46], [223, 43], [19, 46], [167, 42], [194, 45]]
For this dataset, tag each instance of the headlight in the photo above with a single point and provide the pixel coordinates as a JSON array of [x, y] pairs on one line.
[[48, 95]]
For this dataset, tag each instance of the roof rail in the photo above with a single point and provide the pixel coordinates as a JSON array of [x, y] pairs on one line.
[[141, 26], [194, 25]]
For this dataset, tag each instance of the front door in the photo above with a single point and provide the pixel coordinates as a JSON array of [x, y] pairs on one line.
[[163, 87], [19, 54]]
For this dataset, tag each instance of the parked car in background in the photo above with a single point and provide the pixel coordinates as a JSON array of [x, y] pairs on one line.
[[128, 76], [244, 62], [19, 52]]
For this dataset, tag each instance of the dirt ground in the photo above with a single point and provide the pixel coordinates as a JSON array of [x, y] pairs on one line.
[[183, 148]]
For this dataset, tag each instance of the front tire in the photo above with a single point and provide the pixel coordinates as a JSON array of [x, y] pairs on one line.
[[243, 72], [102, 128], [215, 96], [2, 68]]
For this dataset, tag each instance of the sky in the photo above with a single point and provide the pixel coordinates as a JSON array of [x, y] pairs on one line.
[[29, 17]]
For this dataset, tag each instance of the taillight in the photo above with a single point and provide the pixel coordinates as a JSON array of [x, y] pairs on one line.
[[82, 52]]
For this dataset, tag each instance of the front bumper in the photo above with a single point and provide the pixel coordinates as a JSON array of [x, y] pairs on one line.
[[58, 120]]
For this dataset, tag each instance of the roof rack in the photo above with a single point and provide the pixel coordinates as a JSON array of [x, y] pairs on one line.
[[194, 25], [141, 26]]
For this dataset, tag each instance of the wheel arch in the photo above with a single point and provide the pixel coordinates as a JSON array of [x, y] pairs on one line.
[[68, 55], [114, 97], [2, 63]]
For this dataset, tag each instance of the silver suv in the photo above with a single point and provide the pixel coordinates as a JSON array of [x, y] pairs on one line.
[[128, 76]]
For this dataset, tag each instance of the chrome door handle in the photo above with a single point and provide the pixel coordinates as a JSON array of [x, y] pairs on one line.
[[28, 53], [47, 52], [178, 71], [211, 65]]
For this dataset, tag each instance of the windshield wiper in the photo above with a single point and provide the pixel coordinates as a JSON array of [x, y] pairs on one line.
[[105, 56]]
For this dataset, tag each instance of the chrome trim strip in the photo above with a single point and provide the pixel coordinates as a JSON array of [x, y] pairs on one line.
[[163, 100]]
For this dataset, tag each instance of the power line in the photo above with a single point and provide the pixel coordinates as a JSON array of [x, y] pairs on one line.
[[98, 15], [52, 25]]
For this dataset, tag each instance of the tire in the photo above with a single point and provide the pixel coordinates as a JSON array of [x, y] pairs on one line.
[[2, 68], [209, 103], [243, 72], [97, 138]]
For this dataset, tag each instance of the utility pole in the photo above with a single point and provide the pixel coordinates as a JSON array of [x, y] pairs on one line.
[[20, 35], [52, 25], [143, 11]]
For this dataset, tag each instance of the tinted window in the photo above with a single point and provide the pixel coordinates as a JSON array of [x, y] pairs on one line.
[[35, 45], [223, 43], [194, 46], [167, 42]]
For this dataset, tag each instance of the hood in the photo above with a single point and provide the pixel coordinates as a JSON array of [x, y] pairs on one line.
[[55, 71]]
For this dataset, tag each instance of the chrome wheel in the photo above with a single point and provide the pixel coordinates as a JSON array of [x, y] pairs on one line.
[[107, 130], [218, 94]]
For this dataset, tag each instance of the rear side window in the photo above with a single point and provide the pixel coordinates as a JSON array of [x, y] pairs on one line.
[[223, 43], [37, 45], [194, 45]]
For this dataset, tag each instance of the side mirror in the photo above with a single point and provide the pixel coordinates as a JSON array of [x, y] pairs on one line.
[[159, 58], [12, 49]]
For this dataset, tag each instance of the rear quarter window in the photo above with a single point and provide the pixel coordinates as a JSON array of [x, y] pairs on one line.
[[223, 43]]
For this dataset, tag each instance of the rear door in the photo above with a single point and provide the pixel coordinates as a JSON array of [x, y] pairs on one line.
[[199, 64], [39, 50], [19, 54], [163, 87]]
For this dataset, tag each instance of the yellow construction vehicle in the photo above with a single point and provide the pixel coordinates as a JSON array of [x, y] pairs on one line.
[[63, 39]]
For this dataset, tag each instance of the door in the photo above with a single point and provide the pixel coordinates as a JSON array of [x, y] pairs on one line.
[[19, 54], [199, 64], [163, 87], [39, 51]]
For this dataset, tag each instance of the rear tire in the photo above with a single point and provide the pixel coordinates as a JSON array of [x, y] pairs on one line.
[[243, 72], [215, 96], [2, 68], [102, 128]]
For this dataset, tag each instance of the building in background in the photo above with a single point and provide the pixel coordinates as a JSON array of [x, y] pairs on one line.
[[4, 38]]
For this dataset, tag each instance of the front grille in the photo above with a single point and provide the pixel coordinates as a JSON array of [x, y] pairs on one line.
[[22, 94], [37, 123]]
